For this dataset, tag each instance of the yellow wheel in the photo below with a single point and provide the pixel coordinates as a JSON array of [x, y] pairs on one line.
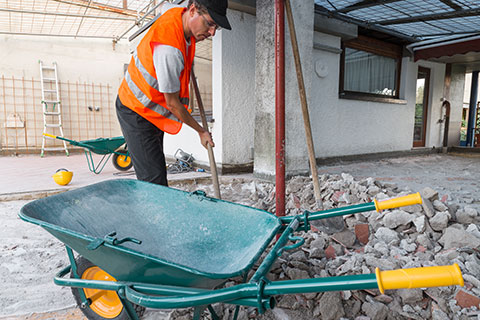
[[102, 304], [122, 162]]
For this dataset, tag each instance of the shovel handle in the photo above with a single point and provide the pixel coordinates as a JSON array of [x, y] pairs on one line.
[[419, 277], [409, 200]]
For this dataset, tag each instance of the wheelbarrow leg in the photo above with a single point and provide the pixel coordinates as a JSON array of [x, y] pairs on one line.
[[213, 313], [132, 314], [197, 312]]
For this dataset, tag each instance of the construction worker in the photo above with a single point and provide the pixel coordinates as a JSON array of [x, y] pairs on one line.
[[153, 96]]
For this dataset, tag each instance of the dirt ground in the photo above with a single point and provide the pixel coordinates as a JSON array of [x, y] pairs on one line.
[[30, 257]]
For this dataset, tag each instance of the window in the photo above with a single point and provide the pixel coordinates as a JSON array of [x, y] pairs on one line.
[[370, 68]]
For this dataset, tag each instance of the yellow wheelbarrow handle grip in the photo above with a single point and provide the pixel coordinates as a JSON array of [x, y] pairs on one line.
[[50, 135], [398, 202], [419, 277]]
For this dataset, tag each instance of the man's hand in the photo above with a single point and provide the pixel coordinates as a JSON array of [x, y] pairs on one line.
[[177, 108], [206, 138]]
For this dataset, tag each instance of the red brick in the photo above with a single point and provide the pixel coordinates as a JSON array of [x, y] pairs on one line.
[[330, 252], [466, 300], [421, 249], [362, 232]]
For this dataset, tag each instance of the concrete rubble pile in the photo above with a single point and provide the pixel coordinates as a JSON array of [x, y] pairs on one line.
[[438, 232]]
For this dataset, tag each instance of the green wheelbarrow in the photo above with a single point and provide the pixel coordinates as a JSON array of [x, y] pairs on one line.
[[140, 245], [104, 146]]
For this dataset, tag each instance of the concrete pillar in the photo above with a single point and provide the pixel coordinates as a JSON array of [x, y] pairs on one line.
[[457, 89], [234, 72], [264, 140]]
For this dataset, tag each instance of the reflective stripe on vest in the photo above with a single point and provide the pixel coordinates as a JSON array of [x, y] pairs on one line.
[[152, 82], [146, 102]]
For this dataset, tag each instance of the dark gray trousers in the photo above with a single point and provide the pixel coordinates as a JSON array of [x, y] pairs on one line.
[[145, 145]]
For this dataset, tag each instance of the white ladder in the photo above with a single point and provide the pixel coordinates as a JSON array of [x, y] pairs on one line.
[[52, 116]]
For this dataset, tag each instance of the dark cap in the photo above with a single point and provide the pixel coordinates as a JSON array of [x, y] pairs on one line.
[[217, 9]]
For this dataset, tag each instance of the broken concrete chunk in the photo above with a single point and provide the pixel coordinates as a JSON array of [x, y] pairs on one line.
[[429, 193], [396, 218], [419, 223], [439, 206], [345, 237], [466, 215], [428, 208], [331, 307], [458, 238], [416, 208], [386, 235], [329, 226], [375, 310], [440, 221]]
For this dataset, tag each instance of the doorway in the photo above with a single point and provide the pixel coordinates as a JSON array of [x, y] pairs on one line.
[[421, 107]]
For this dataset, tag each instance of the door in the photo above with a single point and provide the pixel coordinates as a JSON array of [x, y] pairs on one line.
[[421, 107]]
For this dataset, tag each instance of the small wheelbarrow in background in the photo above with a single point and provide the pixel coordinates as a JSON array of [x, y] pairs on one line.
[[103, 146], [142, 245]]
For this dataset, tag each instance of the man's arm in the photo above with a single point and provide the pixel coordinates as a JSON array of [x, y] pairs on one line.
[[179, 111]]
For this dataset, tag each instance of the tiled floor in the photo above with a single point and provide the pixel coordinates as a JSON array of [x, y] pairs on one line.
[[31, 173]]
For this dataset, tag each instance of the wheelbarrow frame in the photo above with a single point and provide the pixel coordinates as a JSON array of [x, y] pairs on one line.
[[258, 292], [102, 146]]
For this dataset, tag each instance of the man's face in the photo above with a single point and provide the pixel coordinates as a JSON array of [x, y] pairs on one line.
[[202, 25]]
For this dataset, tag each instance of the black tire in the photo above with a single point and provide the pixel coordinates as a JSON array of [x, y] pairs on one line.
[[82, 266], [122, 162]]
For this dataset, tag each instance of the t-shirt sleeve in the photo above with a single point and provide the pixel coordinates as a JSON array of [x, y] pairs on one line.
[[169, 64]]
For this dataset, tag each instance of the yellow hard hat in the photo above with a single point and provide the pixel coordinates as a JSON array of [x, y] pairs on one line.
[[63, 177]]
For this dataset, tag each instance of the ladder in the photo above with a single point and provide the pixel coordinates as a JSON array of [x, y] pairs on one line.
[[52, 116]]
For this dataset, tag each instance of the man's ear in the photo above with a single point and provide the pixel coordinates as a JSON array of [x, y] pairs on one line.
[[192, 10]]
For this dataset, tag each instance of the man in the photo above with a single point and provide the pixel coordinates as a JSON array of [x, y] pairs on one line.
[[153, 96]]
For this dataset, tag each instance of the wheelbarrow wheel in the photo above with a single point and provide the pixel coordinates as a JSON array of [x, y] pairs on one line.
[[103, 304], [122, 162]]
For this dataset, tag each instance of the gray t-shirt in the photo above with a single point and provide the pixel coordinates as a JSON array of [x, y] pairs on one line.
[[168, 63]]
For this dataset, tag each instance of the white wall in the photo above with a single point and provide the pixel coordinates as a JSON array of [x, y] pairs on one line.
[[83, 60], [347, 127]]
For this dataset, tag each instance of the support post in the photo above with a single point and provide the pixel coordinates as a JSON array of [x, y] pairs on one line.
[[280, 107]]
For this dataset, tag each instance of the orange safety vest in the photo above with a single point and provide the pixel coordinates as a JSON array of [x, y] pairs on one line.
[[139, 88]]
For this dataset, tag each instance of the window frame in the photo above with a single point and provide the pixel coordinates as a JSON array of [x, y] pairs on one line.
[[377, 47]]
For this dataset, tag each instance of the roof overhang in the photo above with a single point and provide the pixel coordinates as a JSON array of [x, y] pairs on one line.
[[464, 49]]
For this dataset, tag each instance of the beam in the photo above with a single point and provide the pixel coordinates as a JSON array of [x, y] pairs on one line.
[[66, 14], [448, 33], [97, 6], [430, 17], [54, 35], [364, 4], [324, 12], [452, 5]]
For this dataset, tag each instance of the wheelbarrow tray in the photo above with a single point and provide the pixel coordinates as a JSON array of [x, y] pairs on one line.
[[187, 239], [102, 145]]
